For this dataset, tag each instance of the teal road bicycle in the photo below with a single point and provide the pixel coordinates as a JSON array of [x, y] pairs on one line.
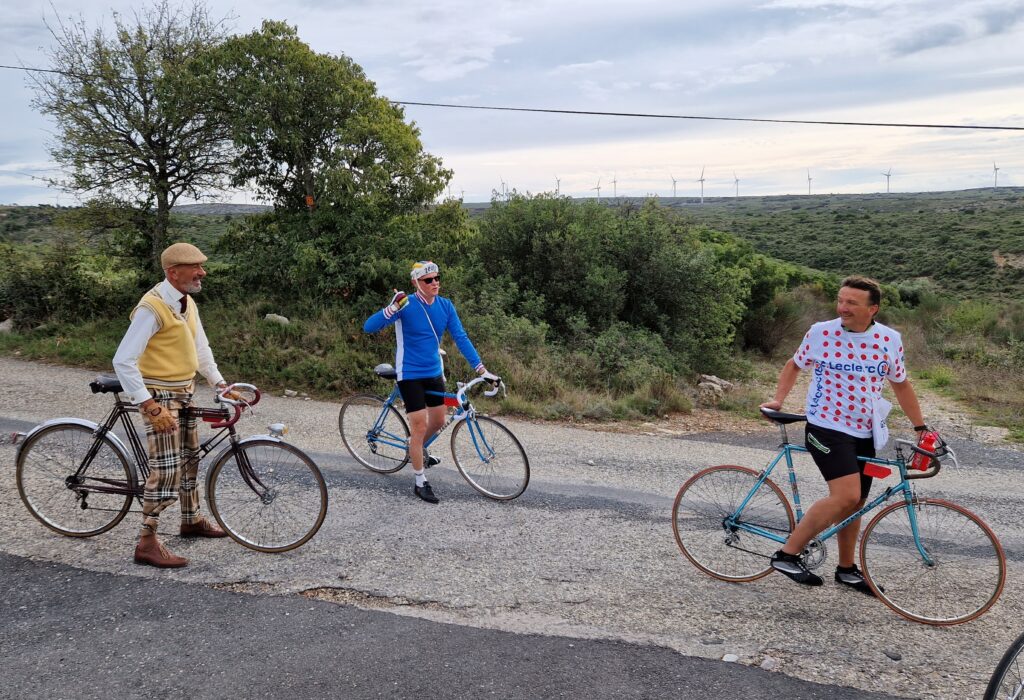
[[928, 559], [486, 453]]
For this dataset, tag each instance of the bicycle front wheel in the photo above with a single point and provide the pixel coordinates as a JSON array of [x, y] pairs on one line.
[[957, 578], [1007, 682], [374, 433], [73, 502], [267, 495], [720, 547], [490, 458]]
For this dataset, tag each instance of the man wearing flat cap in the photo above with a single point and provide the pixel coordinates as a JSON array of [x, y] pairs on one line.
[[156, 364]]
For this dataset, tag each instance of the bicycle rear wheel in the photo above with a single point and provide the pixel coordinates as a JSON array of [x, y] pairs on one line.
[[490, 458], [719, 549], [77, 506], [377, 437], [267, 495], [1007, 682], [965, 574]]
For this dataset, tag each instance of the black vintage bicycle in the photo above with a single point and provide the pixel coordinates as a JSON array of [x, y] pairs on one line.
[[79, 478], [1007, 682]]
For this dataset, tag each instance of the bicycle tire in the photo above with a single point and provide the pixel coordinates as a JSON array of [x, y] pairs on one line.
[[47, 461], [358, 425], [491, 458], [698, 522], [1007, 682], [968, 567], [267, 495]]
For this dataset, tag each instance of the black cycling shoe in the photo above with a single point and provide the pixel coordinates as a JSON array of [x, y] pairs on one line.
[[854, 578], [426, 493], [430, 460], [793, 566]]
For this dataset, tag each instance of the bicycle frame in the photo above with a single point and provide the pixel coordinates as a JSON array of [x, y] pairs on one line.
[[463, 410], [138, 457], [786, 450]]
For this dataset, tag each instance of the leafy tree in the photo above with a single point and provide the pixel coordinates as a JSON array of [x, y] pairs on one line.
[[310, 127], [129, 111]]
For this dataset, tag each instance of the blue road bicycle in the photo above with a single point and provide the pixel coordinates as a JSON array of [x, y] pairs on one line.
[[486, 453], [930, 560]]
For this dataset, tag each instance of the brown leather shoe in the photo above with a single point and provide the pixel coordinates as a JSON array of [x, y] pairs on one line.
[[150, 550], [201, 528]]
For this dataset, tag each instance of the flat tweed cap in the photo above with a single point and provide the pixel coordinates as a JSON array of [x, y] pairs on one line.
[[181, 254]]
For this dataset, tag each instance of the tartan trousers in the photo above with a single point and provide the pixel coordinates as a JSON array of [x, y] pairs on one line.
[[167, 481]]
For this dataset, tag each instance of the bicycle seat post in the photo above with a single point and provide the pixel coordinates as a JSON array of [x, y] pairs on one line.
[[782, 433]]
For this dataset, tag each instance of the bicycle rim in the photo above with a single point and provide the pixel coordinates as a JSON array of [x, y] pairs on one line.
[[965, 572], [46, 467], [490, 458], [1007, 682], [378, 439], [267, 495], [718, 549]]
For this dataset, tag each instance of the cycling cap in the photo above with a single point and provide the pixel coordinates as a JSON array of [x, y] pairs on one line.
[[423, 268]]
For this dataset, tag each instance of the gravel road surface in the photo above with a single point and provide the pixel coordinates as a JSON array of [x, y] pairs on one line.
[[587, 552]]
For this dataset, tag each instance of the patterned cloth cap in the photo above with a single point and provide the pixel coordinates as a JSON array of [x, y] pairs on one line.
[[181, 254], [423, 268]]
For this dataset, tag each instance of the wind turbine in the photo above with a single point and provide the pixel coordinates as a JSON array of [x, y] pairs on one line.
[[887, 174], [504, 191], [808, 181], [673, 185], [598, 188], [615, 191], [701, 181], [558, 184], [736, 181], [995, 175]]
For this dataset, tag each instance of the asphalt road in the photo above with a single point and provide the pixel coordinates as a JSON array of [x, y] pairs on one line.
[[472, 597]]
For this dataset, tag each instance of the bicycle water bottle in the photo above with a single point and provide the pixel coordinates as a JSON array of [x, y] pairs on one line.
[[929, 440]]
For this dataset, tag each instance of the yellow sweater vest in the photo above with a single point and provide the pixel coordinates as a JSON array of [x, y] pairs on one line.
[[169, 360]]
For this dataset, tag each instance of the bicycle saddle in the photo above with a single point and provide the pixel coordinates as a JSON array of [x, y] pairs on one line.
[[783, 418], [386, 371], [105, 383]]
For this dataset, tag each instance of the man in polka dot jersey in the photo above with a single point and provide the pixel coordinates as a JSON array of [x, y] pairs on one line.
[[851, 358]]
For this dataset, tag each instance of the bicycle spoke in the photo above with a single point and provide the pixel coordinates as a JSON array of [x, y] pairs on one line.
[[961, 575], [490, 458], [269, 497], [709, 528], [47, 482], [374, 433]]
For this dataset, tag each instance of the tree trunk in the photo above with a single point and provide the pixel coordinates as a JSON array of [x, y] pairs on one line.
[[160, 226]]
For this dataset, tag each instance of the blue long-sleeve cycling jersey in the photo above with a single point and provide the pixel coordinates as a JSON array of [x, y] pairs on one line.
[[416, 355]]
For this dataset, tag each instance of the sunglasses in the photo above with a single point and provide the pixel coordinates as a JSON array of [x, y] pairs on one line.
[[430, 280]]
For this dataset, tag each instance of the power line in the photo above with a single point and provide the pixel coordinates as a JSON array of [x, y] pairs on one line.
[[640, 115], [707, 118]]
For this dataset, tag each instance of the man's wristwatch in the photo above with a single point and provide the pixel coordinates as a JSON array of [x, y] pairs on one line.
[[920, 428], [153, 410]]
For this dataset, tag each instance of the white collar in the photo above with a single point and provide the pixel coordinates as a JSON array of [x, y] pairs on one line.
[[170, 295]]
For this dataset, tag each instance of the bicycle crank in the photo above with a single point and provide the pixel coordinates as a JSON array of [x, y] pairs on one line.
[[814, 554]]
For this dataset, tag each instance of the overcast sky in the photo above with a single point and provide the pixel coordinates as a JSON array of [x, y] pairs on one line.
[[857, 60]]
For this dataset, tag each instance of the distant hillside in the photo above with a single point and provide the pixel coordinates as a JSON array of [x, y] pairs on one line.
[[967, 243]]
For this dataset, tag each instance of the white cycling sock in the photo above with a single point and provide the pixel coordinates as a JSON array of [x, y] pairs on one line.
[[421, 477]]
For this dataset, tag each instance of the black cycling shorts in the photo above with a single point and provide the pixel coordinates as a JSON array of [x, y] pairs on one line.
[[836, 454], [415, 396]]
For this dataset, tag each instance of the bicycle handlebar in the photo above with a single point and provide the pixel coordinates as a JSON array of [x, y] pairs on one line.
[[239, 386], [239, 404], [463, 390], [935, 466]]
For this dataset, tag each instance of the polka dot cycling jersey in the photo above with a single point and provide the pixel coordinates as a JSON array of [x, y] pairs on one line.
[[849, 370]]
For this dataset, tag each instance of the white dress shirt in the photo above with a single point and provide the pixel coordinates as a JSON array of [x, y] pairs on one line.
[[144, 326]]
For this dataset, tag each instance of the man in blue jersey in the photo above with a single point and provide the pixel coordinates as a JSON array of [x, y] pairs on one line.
[[420, 322]]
